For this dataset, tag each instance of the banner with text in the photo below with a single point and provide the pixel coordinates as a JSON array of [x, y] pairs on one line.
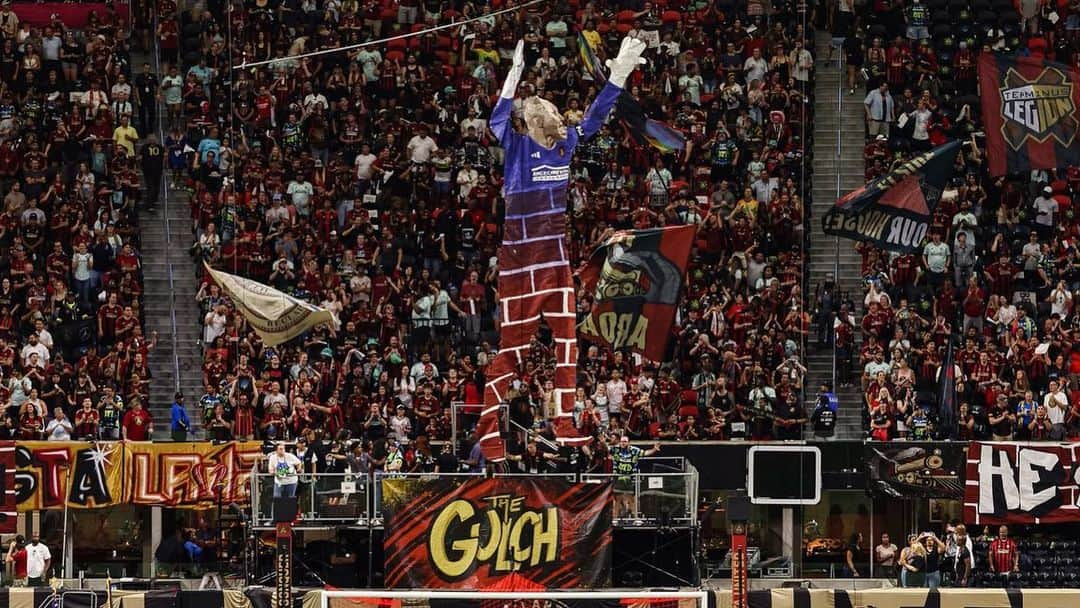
[[1031, 108], [89, 475], [894, 211], [1022, 483], [468, 534]]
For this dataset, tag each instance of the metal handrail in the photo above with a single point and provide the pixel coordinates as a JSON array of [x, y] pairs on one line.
[[839, 149], [534, 435], [161, 111]]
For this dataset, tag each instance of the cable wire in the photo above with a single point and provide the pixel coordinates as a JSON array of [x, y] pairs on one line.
[[353, 47]]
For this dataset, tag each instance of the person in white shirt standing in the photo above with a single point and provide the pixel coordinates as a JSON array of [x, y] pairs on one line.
[[285, 467], [616, 391], [301, 191], [1046, 208], [38, 560], [421, 147], [1057, 403]]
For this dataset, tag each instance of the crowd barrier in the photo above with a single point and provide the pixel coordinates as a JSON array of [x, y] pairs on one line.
[[667, 498]]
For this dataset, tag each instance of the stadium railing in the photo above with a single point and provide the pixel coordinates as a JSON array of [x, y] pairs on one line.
[[665, 499]]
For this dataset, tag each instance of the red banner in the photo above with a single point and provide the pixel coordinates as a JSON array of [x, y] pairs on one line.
[[446, 533], [1030, 107], [637, 278], [1022, 483]]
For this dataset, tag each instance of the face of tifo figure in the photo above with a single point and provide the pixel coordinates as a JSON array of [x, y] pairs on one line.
[[544, 122]]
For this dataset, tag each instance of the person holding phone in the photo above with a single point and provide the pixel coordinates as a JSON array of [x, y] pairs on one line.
[[934, 548]]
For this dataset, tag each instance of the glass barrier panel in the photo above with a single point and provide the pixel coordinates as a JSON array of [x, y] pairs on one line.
[[664, 498]]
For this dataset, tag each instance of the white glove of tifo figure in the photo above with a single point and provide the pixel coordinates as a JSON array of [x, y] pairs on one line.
[[628, 59], [509, 88]]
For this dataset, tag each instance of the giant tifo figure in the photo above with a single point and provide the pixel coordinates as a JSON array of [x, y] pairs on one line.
[[535, 280]]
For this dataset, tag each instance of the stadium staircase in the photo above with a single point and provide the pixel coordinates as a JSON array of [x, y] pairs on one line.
[[838, 117], [169, 305], [166, 235]]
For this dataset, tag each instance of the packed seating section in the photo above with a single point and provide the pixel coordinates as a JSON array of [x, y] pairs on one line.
[[1000, 268], [366, 181], [73, 355]]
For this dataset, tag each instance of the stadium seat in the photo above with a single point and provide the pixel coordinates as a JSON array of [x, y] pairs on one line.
[[689, 410]]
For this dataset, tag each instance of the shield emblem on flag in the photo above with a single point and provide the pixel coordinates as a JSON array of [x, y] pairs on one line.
[[1038, 109]]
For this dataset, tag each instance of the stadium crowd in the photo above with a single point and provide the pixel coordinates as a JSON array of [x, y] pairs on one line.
[[73, 355], [367, 182], [999, 273]]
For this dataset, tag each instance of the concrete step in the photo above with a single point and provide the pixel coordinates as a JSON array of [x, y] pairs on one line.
[[826, 159], [169, 304]]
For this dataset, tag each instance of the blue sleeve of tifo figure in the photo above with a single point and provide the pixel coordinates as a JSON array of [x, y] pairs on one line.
[[598, 110], [500, 123]]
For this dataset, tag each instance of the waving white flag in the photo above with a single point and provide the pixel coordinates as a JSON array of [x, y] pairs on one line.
[[276, 316]]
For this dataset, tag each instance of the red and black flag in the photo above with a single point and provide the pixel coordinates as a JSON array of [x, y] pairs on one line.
[[895, 210], [637, 277], [1029, 106]]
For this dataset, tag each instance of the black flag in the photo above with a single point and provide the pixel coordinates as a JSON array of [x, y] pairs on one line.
[[947, 391], [895, 210]]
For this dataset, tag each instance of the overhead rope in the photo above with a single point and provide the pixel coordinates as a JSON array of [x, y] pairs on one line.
[[381, 41]]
